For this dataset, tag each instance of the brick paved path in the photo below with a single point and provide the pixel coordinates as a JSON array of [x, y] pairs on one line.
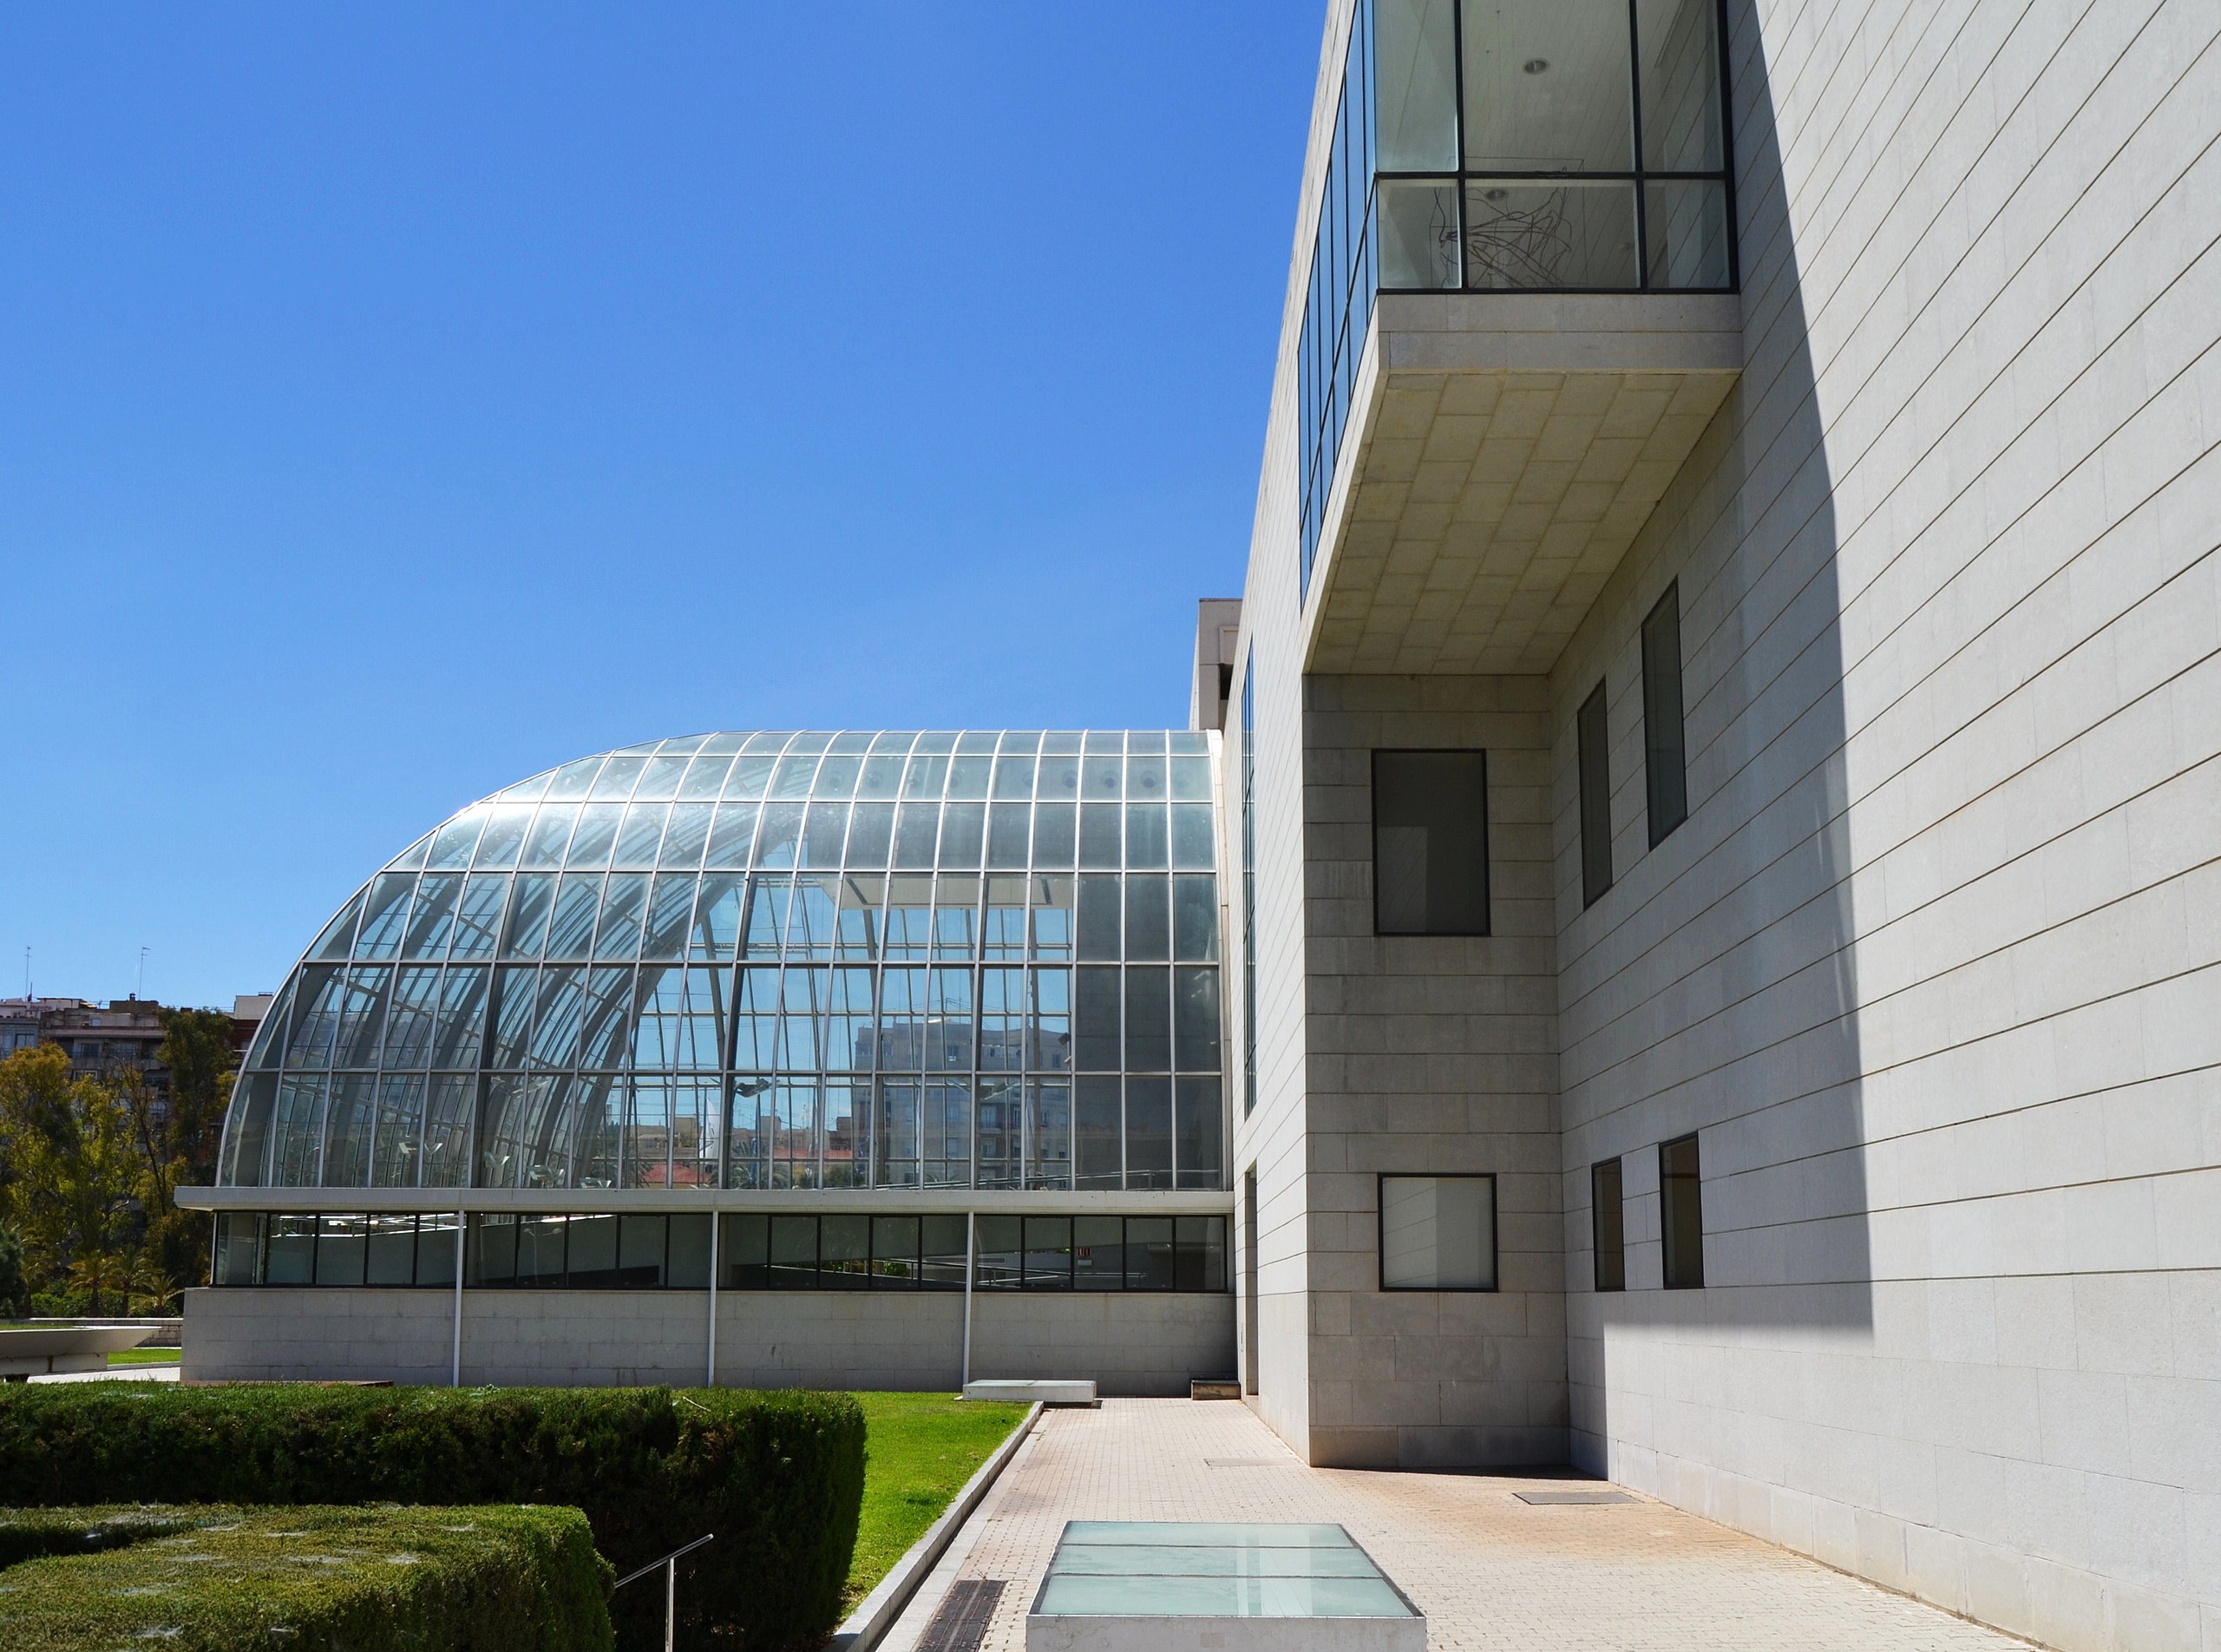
[[1488, 1570]]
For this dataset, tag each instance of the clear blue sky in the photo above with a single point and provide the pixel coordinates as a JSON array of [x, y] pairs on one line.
[[395, 401]]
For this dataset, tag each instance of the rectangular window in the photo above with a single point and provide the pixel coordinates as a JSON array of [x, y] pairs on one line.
[[1592, 738], [1607, 1225], [1437, 1233], [1680, 1214], [1430, 843], [1664, 754]]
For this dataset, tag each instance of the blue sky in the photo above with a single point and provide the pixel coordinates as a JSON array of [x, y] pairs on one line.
[[396, 400]]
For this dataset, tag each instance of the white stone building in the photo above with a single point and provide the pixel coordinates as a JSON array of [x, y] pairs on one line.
[[1822, 1007]]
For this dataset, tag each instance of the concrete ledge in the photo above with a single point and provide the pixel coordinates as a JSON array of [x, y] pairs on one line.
[[876, 1612], [1667, 332], [664, 1201], [1040, 1391]]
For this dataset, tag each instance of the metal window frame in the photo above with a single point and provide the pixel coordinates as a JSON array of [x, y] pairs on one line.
[[1596, 1173], [1380, 1233], [1652, 713], [1488, 869], [1667, 1255], [1595, 856]]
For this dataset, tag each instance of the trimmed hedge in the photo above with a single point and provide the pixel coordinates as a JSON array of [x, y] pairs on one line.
[[302, 1580], [778, 1477]]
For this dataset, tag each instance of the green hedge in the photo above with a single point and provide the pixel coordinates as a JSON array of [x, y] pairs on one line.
[[493, 1579], [777, 1477]]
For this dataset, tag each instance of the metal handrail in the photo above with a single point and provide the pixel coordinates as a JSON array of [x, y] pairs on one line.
[[669, 1565]]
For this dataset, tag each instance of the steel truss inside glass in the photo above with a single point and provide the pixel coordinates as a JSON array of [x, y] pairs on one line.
[[1487, 145], [817, 960]]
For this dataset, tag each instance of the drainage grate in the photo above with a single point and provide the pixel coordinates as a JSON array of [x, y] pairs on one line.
[[960, 1625], [1573, 1497]]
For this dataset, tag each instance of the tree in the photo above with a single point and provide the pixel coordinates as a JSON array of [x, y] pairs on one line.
[[15, 1290], [70, 1176], [196, 1048], [178, 1141]]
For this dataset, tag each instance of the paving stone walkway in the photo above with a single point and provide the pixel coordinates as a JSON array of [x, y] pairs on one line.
[[1489, 1570]]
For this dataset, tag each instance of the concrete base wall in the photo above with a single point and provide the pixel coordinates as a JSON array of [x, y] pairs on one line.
[[1130, 1344]]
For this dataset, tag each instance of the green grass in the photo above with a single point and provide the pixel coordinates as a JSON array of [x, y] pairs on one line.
[[143, 1356], [920, 1449]]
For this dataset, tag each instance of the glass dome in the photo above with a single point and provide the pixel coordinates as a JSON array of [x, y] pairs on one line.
[[772, 961]]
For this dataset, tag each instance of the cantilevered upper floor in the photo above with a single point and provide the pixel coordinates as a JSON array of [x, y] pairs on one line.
[[1519, 312]]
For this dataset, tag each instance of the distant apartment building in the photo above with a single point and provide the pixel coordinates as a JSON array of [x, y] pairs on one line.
[[104, 1041]]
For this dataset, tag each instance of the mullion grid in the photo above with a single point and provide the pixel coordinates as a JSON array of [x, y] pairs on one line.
[[867, 1087], [576, 1079], [1639, 177]]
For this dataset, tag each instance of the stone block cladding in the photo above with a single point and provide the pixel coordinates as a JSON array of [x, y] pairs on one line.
[[1130, 1344], [1932, 968]]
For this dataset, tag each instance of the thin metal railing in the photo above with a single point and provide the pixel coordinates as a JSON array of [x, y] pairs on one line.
[[669, 1564]]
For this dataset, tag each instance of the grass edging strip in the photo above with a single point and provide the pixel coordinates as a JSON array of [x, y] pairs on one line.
[[876, 1612]]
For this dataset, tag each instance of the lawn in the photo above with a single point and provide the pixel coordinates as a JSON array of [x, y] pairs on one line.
[[144, 1356], [920, 1449]]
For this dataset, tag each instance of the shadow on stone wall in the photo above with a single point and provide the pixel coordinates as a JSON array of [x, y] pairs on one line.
[[1764, 1055]]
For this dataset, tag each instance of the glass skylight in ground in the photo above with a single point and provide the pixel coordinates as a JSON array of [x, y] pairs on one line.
[[770, 961], [1190, 1568]]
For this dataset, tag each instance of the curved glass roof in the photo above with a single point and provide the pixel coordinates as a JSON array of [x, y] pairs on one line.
[[837, 959]]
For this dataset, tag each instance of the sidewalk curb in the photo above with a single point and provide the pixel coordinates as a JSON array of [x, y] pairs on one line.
[[876, 1612]]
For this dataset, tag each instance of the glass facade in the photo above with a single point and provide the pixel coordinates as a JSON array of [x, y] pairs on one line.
[[1489, 144], [816, 960], [756, 1250]]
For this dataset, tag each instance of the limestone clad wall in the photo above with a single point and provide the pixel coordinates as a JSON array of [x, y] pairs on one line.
[[1131, 1343], [1431, 1054], [1934, 967]]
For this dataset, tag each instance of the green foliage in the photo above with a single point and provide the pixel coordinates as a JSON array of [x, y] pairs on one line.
[[301, 1579], [777, 1477], [180, 1145], [15, 1290], [924, 1448], [90, 1167], [69, 1177]]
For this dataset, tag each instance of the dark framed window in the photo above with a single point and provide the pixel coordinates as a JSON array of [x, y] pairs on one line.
[[1592, 738], [1430, 843], [1665, 750], [756, 1250], [1607, 1225], [1680, 1214], [1437, 1233]]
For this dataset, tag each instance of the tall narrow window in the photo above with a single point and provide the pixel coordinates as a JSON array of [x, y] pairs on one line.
[[1592, 738], [1680, 1214], [1250, 1316], [1430, 843], [1607, 1225], [1250, 884], [1664, 754]]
